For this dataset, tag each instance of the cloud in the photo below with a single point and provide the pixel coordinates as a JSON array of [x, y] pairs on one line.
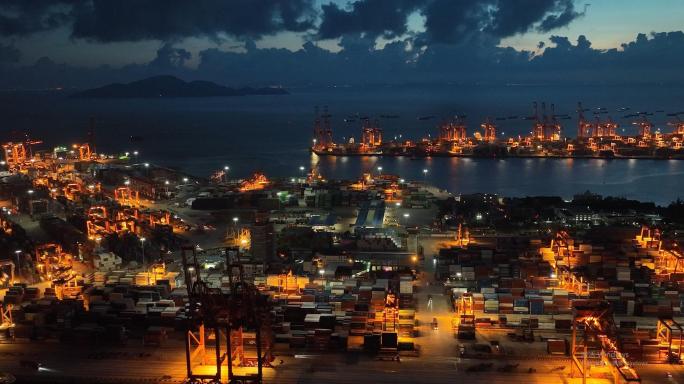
[[564, 15], [450, 21], [475, 61], [446, 21], [372, 18], [134, 20], [169, 57], [9, 54], [24, 17]]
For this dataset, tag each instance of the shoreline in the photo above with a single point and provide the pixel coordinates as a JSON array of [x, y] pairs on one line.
[[471, 156]]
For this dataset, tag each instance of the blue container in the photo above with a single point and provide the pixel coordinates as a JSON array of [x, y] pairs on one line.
[[537, 307], [520, 303]]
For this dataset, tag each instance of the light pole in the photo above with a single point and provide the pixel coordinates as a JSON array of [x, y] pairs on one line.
[[142, 247], [425, 172], [17, 253], [380, 170]]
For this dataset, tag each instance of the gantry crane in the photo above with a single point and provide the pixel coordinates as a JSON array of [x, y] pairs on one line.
[[538, 126], [594, 331], [322, 135], [454, 130], [224, 316], [644, 127], [584, 127], [678, 125], [489, 130], [371, 134]]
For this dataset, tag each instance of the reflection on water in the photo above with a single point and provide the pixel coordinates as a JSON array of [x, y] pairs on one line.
[[648, 180]]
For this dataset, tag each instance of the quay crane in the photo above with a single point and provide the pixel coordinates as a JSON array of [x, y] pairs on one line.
[[224, 316], [678, 126], [322, 134], [594, 331], [552, 128], [584, 127], [644, 126], [371, 135], [453, 130], [489, 131], [538, 126]]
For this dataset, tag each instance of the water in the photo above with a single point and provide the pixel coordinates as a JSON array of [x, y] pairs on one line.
[[271, 133]]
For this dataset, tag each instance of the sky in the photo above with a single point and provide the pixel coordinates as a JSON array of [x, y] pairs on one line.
[[46, 43]]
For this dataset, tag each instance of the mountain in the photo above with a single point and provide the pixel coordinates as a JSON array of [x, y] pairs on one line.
[[170, 86]]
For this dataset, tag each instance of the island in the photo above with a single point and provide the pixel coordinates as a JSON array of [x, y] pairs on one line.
[[171, 86]]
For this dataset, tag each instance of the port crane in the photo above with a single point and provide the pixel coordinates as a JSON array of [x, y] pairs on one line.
[[322, 135], [678, 126], [453, 131], [584, 127], [489, 130], [371, 135], [594, 334], [644, 126], [212, 313]]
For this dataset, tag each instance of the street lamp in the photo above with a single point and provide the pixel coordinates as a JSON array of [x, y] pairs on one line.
[[17, 253], [301, 170], [380, 170], [142, 247], [235, 220], [30, 191]]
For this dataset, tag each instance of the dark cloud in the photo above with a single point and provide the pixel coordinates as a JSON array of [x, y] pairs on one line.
[[9, 54], [133, 20], [449, 21], [373, 18], [23, 17], [476, 61], [564, 14]]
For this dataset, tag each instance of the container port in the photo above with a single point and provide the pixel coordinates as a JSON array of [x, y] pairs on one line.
[[596, 137], [170, 277]]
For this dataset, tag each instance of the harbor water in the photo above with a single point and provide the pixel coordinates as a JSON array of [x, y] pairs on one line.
[[273, 133]]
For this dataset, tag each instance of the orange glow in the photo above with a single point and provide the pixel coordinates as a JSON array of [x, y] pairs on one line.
[[257, 182]]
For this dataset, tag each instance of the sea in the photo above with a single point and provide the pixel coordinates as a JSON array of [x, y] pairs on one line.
[[272, 134]]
